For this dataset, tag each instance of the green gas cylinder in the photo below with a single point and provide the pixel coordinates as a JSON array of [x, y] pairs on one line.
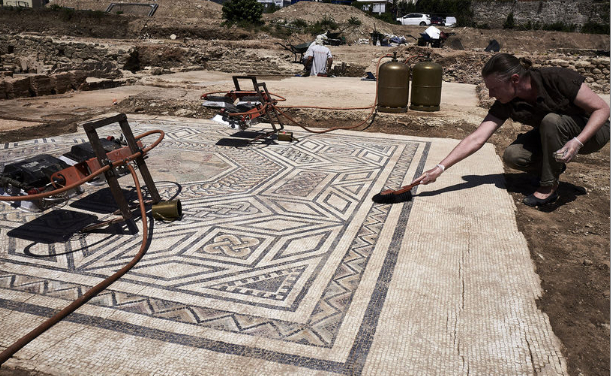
[[393, 86], [426, 86]]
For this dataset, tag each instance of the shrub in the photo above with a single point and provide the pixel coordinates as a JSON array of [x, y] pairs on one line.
[[560, 26], [595, 28], [66, 14], [328, 22], [242, 12], [320, 27], [299, 23], [354, 21], [280, 31], [509, 22], [530, 26]]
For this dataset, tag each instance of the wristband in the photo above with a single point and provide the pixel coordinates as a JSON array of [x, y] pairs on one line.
[[580, 143], [442, 167]]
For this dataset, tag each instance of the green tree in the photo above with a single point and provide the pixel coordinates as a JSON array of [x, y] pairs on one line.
[[271, 8], [243, 12]]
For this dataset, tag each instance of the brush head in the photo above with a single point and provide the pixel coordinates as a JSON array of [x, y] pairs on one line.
[[400, 195], [392, 197]]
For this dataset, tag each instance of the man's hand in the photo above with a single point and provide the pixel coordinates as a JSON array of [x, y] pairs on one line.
[[568, 152], [431, 175]]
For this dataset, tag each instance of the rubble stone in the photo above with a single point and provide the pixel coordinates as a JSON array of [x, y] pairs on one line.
[[2, 89], [62, 82], [41, 85], [18, 87]]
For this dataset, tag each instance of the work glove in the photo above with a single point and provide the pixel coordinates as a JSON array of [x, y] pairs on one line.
[[431, 175], [568, 152]]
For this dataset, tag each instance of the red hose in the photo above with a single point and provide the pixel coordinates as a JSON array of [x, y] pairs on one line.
[[203, 96], [12, 349], [373, 109]]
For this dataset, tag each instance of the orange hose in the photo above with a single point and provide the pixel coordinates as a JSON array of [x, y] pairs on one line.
[[326, 130], [281, 98], [12, 349], [328, 108], [154, 144], [263, 110], [372, 107]]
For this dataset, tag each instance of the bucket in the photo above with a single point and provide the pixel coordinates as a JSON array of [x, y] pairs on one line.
[[167, 210]]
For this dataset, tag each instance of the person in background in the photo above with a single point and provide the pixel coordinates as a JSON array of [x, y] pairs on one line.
[[567, 117], [319, 58]]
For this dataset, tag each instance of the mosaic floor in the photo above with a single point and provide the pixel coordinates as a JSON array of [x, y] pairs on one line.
[[281, 264]]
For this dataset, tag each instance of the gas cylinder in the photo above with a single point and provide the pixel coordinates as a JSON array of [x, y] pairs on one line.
[[426, 86], [393, 86]]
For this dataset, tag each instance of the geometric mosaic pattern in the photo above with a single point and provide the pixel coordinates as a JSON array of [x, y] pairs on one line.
[[275, 242]]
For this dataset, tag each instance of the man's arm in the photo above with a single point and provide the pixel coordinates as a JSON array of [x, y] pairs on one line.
[[599, 113], [465, 148]]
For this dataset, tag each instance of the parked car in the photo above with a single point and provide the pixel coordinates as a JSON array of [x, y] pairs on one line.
[[415, 19], [450, 21], [437, 20]]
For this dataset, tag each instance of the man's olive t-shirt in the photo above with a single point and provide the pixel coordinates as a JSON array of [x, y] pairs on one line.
[[556, 92]]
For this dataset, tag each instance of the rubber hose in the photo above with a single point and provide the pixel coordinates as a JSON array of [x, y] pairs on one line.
[[12, 349]]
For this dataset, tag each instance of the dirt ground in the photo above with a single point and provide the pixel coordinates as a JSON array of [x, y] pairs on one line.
[[569, 240]]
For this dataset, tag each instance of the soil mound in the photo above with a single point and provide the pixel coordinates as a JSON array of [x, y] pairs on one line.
[[353, 23], [166, 8]]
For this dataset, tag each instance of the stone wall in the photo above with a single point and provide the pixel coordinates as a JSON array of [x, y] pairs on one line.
[[578, 12], [38, 54], [595, 70], [32, 85], [35, 54], [36, 65], [467, 67]]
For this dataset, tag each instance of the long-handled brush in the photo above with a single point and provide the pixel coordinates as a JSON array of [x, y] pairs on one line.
[[402, 194]]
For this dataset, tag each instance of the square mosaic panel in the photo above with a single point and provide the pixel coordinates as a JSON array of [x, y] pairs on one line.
[[280, 253]]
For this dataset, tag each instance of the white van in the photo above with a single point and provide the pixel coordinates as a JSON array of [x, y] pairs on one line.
[[450, 21]]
